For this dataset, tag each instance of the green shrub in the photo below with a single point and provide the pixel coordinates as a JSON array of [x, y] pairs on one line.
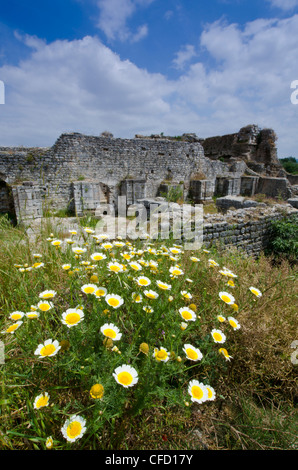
[[283, 239]]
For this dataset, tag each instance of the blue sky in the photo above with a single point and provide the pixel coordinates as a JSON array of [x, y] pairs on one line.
[[147, 66]]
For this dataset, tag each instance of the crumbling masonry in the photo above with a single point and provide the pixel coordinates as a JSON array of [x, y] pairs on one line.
[[81, 173]]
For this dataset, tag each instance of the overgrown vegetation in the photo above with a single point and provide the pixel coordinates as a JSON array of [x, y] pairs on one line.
[[290, 164], [252, 398], [283, 239]]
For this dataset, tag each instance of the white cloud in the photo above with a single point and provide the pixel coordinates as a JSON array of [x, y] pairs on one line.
[[114, 15], [284, 4], [78, 86], [83, 86], [184, 55]]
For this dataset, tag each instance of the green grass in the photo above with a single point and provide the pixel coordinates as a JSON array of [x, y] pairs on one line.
[[256, 392]]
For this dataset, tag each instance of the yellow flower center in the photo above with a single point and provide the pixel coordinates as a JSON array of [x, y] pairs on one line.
[[233, 323], [226, 298], [44, 307], [125, 378], [113, 302], [161, 355], [115, 268], [100, 293], [210, 394], [97, 257], [191, 353], [72, 318], [110, 333], [186, 315], [47, 350], [74, 429], [16, 316], [150, 295], [197, 392], [176, 272], [48, 295], [143, 282], [217, 336], [42, 401], [12, 328], [89, 290], [224, 352]]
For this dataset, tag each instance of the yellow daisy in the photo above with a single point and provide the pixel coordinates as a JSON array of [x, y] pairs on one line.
[[148, 309], [66, 267], [74, 428], [137, 297], [98, 256], [234, 323], [100, 292], [12, 328], [47, 294], [78, 250], [41, 400], [114, 300], [115, 267], [218, 336], [211, 393], [48, 348], [255, 291], [151, 294], [135, 266], [227, 298], [161, 354], [192, 353], [32, 314], [221, 318], [72, 317], [49, 443], [163, 285], [89, 288], [56, 242], [185, 294], [126, 375], [107, 245], [198, 391], [16, 315], [45, 305], [176, 271], [225, 353], [187, 314], [143, 281], [111, 331]]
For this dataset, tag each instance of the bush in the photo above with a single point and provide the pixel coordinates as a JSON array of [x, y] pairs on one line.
[[283, 239]]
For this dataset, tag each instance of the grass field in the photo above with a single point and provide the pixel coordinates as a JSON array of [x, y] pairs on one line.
[[152, 347]]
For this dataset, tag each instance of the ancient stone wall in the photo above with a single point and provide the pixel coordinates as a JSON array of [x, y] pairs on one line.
[[76, 157], [249, 233]]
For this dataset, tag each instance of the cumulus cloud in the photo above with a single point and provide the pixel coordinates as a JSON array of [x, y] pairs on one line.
[[79, 85], [183, 56], [114, 15], [284, 4], [83, 86]]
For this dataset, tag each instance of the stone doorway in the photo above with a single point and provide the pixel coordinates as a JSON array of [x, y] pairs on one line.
[[7, 201]]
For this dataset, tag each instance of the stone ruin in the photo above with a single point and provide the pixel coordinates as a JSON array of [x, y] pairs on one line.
[[83, 174]]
